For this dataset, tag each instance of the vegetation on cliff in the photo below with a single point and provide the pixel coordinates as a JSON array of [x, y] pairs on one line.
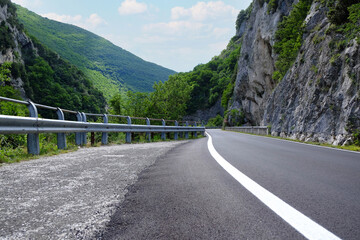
[[289, 38]]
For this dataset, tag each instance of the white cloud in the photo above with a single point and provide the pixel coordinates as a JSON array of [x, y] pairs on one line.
[[177, 28], [129, 7], [95, 20], [63, 18], [28, 3], [90, 23], [179, 12], [203, 11]]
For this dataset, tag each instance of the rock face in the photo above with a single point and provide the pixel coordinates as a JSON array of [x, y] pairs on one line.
[[14, 54], [318, 98], [254, 82], [205, 115]]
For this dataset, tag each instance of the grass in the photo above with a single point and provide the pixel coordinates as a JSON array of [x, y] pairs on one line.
[[48, 145], [354, 148], [20, 154]]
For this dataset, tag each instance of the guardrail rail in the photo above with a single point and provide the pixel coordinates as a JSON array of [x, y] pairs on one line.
[[260, 130], [33, 126]]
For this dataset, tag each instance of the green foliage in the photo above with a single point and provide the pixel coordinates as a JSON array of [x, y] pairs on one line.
[[350, 28], [136, 104], [216, 121], [234, 117], [353, 127], [339, 10], [48, 74], [184, 93], [10, 152], [5, 72], [227, 94], [6, 38], [6, 90], [243, 16], [273, 4], [169, 99], [214, 80], [277, 76], [356, 137], [289, 38], [108, 66]]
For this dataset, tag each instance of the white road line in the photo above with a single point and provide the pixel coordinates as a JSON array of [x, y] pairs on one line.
[[307, 227]]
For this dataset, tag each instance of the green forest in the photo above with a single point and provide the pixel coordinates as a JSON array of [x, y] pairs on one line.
[[109, 67], [184, 93]]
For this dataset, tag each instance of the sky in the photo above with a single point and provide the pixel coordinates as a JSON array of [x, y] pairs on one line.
[[174, 34]]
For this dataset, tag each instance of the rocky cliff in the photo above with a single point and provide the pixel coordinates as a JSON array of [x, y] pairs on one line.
[[318, 99], [12, 43]]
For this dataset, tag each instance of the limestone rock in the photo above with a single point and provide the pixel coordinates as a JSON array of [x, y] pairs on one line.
[[318, 97]]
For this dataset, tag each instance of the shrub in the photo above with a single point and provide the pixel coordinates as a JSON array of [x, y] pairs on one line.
[[289, 38], [339, 12], [215, 122]]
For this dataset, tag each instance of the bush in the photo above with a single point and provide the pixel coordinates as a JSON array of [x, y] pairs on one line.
[[273, 4], [339, 11], [289, 38], [215, 122], [235, 117]]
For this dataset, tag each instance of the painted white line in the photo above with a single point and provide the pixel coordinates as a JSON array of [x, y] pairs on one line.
[[307, 227]]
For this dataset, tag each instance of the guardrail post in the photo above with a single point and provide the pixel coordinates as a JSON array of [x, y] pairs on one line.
[[186, 133], [84, 135], [61, 139], [33, 144], [148, 135], [78, 135], [195, 134], [176, 134], [128, 134], [163, 136], [105, 136]]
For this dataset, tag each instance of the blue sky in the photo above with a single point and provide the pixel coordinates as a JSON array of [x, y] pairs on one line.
[[174, 34]]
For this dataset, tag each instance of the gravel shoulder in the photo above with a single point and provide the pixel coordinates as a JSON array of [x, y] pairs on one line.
[[73, 195]]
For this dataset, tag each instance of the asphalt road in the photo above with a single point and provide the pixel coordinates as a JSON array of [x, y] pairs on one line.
[[186, 194]]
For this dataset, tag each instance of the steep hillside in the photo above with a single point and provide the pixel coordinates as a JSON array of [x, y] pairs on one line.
[[30, 70], [108, 66], [299, 69]]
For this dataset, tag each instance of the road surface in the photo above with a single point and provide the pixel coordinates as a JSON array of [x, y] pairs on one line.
[[73, 195], [186, 194]]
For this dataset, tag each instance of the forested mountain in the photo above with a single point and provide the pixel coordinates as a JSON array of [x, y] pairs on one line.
[[31, 70], [293, 65], [108, 66]]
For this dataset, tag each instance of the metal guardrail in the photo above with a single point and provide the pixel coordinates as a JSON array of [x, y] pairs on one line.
[[260, 130], [33, 126]]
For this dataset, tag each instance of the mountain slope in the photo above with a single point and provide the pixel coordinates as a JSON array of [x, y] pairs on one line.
[[107, 65], [30, 70]]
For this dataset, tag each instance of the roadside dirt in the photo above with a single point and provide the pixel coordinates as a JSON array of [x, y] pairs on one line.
[[71, 196]]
